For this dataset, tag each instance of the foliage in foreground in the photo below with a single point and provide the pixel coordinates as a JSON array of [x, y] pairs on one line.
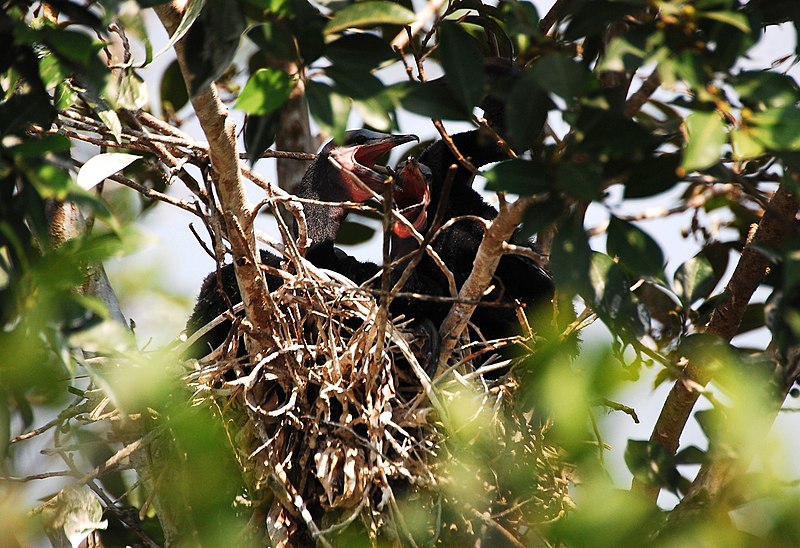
[[160, 449]]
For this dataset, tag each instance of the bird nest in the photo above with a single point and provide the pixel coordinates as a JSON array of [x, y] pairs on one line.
[[338, 426]]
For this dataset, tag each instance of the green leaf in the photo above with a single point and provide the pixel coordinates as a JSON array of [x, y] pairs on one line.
[[359, 50], [132, 91], [23, 109], [694, 279], [745, 145], [428, 99], [706, 135], [101, 166], [368, 14], [260, 132], [329, 109], [190, 13], [354, 233], [652, 464], [274, 39], [37, 147], [173, 89], [629, 51], [732, 18], [462, 62], [760, 90], [561, 74], [354, 83], [777, 128], [527, 109], [265, 91], [213, 40], [571, 256], [653, 175], [581, 179], [611, 298], [378, 112], [523, 177], [636, 250]]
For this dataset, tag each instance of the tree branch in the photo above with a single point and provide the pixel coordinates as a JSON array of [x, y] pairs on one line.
[[220, 132], [724, 321], [486, 260]]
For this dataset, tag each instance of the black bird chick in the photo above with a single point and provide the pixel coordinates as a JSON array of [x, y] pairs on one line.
[[323, 181], [517, 279]]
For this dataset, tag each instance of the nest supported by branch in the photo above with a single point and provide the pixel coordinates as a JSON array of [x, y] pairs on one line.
[[340, 425]]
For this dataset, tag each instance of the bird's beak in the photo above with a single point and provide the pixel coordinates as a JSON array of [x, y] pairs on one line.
[[412, 199], [359, 160]]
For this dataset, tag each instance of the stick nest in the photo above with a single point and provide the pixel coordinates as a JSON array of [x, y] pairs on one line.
[[338, 426]]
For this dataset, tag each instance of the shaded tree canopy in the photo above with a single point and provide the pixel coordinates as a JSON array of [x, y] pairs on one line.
[[320, 419]]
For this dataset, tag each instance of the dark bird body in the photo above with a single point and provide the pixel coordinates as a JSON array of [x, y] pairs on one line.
[[517, 279]]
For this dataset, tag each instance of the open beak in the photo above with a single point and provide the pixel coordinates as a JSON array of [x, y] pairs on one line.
[[413, 197], [359, 160]]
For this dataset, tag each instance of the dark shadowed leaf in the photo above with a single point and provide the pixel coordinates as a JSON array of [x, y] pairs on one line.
[[462, 62], [580, 179], [651, 464], [367, 14], [611, 298], [653, 175], [637, 251], [429, 100], [354, 82], [273, 39], [528, 105], [571, 257], [260, 132], [173, 89], [266, 91], [560, 74], [23, 109], [213, 40], [354, 233], [694, 280], [690, 455], [523, 177], [329, 109], [359, 50]]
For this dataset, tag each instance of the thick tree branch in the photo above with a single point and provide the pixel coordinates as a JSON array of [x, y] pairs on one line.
[[220, 132], [725, 320], [486, 260]]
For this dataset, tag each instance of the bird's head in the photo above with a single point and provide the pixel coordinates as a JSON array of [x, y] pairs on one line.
[[413, 196], [355, 160]]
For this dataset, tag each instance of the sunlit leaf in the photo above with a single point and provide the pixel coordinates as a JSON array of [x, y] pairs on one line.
[[705, 137], [777, 128], [266, 91], [737, 20], [366, 14]]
